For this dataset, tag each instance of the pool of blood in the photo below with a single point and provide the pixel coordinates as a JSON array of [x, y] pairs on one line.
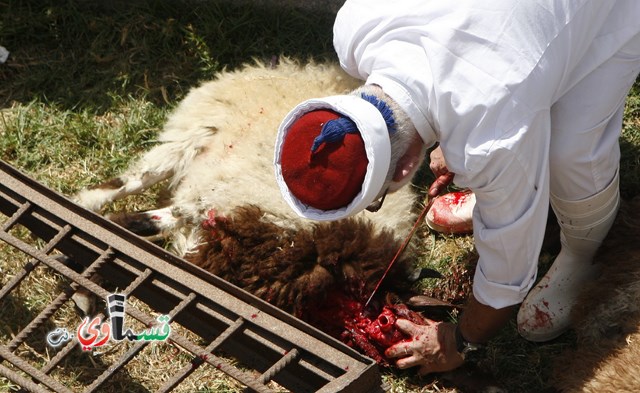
[[370, 330]]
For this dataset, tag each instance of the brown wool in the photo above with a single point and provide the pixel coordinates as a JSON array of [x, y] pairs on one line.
[[289, 269]]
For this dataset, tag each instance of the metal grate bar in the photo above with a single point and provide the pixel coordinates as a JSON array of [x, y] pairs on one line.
[[29, 266], [137, 347], [268, 375], [197, 361], [54, 264], [57, 303], [124, 359], [249, 340], [132, 352], [17, 279], [183, 304], [220, 364], [32, 371], [16, 216], [22, 381], [68, 347]]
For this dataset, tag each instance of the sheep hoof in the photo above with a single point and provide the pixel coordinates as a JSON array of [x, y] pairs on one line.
[[85, 301]]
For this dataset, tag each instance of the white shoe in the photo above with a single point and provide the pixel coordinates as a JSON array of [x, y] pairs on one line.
[[546, 312]]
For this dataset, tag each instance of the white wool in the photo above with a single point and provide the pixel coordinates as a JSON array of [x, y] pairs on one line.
[[217, 149]]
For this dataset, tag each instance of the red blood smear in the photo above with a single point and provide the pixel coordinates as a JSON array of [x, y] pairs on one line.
[[382, 330], [345, 319], [542, 318], [454, 197], [211, 223]]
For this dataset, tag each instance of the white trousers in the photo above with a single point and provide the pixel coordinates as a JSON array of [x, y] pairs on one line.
[[585, 127]]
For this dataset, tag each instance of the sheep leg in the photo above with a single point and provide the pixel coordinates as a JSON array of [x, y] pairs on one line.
[[93, 198], [150, 224], [167, 160]]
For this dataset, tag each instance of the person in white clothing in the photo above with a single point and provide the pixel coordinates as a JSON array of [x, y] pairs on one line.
[[525, 99]]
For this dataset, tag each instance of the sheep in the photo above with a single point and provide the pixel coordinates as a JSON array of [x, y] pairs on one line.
[[606, 317], [227, 215]]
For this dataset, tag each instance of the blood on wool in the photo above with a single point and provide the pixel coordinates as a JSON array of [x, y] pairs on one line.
[[294, 272]]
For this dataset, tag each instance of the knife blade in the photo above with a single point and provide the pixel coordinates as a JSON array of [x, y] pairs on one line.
[[403, 246]]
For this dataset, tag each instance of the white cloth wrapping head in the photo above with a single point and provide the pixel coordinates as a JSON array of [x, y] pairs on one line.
[[374, 133]]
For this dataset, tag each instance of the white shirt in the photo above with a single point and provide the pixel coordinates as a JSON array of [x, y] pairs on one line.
[[480, 77]]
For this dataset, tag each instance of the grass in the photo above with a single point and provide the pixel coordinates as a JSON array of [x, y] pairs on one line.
[[87, 54], [87, 88]]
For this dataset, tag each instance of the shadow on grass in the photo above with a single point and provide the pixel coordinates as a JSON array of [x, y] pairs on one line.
[[80, 54], [630, 164]]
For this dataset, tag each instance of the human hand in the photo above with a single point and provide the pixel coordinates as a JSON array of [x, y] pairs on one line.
[[439, 168], [440, 184], [432, 347], [437, 163]]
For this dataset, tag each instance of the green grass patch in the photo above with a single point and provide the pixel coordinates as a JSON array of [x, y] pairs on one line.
[[83, 53], [69, 148]]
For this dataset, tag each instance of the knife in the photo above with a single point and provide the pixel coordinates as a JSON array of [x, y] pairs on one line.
[[403, 246]]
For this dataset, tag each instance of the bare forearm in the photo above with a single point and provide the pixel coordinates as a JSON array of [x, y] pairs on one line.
[[479, 323]]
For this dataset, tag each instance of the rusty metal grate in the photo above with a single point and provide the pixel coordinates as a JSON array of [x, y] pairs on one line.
[[213, 324]]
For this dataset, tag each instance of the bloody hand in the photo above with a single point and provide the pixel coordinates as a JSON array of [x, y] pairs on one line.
[[440, 184], [432, 347], [439, 168]]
